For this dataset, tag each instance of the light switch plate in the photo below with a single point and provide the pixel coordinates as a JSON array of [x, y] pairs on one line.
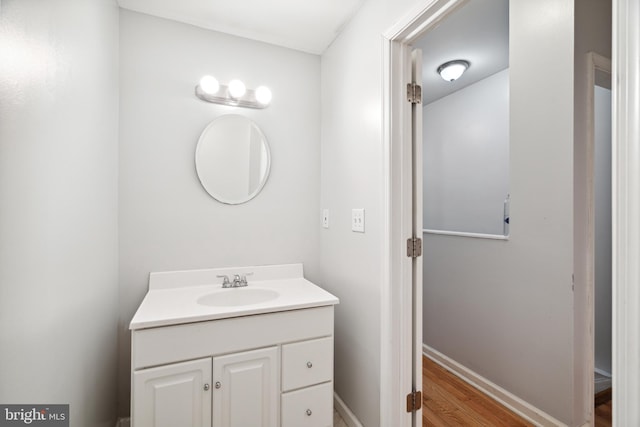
[[357, 220], [325, 218]]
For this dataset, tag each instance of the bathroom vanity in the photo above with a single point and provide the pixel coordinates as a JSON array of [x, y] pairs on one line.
[[256, 355]]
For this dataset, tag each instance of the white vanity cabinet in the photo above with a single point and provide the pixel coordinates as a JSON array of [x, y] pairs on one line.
[[208, 355], [266, 370]]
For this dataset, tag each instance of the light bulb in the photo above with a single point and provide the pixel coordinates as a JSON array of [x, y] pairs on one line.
[[236, 88], [209, 85], [263, 95], [452, 70]]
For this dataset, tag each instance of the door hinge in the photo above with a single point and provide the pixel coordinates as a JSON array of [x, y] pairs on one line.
[[414, 93], [414, 247], [414, 401]]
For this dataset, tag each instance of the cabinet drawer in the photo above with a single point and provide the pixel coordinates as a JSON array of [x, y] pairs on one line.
[[308, 407], [306, 363]]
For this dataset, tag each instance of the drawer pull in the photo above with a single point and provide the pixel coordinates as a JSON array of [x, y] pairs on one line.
[[309, 412], [309, 365]]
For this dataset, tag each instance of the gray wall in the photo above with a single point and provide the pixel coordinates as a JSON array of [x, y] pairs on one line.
[[602, 182], [58, 206], [504, 309], [466, 158], [167, 220]]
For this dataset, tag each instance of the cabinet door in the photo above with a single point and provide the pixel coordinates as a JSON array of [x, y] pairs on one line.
[[247, 389], [173, 395]]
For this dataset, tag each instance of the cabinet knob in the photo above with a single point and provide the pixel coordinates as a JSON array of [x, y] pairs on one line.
[[309, 365], [309, 412], [218, 385], [206, 387]]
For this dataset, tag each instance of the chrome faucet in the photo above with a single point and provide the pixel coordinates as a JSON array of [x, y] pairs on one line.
[[238, 281]]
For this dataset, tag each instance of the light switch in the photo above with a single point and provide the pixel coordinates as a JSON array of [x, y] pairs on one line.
[[325, 218], [357, 220]]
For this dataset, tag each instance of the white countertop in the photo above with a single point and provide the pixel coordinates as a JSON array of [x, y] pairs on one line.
[[172, 297]]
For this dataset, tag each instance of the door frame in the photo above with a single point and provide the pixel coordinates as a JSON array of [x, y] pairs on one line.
[[401, 315], [626, 211]]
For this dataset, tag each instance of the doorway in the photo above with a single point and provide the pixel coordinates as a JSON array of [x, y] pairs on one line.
[[528, 293], [600, 232], [602, 253]]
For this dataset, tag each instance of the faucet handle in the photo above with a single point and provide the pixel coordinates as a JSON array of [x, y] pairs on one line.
[[244, 278], [225, 281]]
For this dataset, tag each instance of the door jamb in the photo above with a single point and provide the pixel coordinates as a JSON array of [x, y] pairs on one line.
[[626, 211]]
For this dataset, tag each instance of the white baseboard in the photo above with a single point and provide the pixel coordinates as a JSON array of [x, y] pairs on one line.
[[123, 422], [602, 372], [509, 400], [344, 411]]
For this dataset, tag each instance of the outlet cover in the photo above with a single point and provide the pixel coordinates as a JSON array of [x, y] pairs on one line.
[[325, 218], [357, 220]]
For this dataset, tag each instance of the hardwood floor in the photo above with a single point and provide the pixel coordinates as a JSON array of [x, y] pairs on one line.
[[603, 409], [449, 401]]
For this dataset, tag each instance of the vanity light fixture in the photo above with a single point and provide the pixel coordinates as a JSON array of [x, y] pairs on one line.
[[452, 70], [234, 94]]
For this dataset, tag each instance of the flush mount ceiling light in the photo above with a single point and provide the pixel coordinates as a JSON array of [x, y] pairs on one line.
[[235, 94], [452, 70]]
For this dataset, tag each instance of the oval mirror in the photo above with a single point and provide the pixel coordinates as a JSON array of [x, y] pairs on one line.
[[232, 159]]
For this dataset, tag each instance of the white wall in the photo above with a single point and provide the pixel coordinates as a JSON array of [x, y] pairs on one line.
[[352, 177], [466, 158], [167, 220], [602, 182], [505, 309], [58, 206]]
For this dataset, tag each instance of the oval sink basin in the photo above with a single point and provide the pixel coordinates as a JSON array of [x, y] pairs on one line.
[[237, 297]]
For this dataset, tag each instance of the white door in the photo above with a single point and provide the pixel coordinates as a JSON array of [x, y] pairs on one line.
[[173, 395], [247, 389], [416, 138]]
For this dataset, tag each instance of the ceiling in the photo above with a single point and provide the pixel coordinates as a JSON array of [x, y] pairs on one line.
[[309, 26], [479, 33]]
